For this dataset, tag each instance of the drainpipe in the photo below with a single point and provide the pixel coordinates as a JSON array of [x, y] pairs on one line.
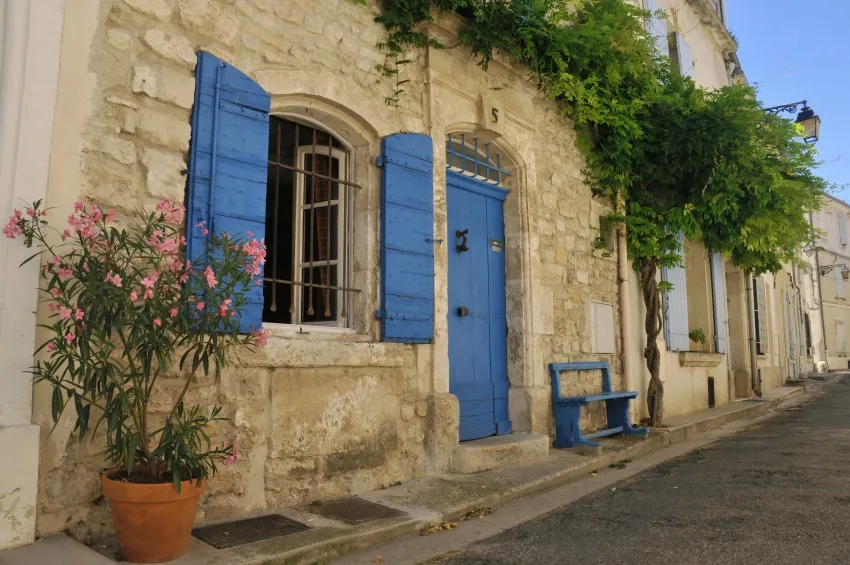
[[629, 380], [751, 320], [820, 299]]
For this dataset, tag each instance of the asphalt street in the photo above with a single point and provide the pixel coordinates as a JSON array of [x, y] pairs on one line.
[[778, 493]]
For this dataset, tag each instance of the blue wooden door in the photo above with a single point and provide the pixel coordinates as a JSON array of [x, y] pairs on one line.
[[478, 373]]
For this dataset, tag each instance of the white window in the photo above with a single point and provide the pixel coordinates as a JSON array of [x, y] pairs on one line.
[[307, 227], [602, 328], [842, 229], [840, 337]]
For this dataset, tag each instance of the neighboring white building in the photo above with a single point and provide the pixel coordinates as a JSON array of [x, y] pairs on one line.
[[29, 68], [827, 289]]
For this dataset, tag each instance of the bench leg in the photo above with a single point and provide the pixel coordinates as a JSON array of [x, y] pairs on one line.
[[568, 428], [618, 415]]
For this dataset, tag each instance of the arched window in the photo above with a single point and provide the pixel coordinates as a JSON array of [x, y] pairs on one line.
[[308, 219], [467, 153]]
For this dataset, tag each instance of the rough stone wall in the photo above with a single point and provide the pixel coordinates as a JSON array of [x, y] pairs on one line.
[[572, 272], [318, 416]]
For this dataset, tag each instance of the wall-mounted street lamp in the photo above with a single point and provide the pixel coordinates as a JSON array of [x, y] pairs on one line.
[[826, 269], [806, 118]]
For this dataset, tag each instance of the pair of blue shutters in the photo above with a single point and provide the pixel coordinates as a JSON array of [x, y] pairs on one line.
[[228, 172]]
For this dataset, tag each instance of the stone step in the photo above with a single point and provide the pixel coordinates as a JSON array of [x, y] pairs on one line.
[[498, 451]]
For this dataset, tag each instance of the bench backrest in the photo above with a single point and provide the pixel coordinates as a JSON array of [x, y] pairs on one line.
[[556, 368]]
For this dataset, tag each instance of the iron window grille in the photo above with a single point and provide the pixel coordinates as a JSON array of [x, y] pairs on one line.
[[308, 227], [470, 158]]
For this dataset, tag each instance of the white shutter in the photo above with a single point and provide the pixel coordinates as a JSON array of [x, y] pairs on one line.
[[840, 337], [719, 296], [842, 229], [686, 58], [763, 331], [657, 26], [839, 280], [676, 305], [602, 328]]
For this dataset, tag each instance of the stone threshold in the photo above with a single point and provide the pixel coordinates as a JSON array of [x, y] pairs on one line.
[[425, 501]]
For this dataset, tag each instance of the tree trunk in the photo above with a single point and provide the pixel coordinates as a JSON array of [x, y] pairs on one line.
[[652, 301]]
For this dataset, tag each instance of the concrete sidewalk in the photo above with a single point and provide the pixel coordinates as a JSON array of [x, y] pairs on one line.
[[424, 501]]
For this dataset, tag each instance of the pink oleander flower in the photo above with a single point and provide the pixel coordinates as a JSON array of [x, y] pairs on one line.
[[52, 306], [55, 259], [202, 224], [78, 315], [64, 312], [200, 305], [114, 279], [210, 276], [30, 212], [79, 206], [66, 234], [148, 294], [13, 229], [261, 337], [233, 456], [173, 312], [65, 273], [69, 337], [157, 322], [222, 309], [134, 296], [150, 280], [51, 347], [54, 292]]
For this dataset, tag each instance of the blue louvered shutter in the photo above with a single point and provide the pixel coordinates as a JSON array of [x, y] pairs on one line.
[[228, 164], [657, 27], [719, 296], [676, 305], [407, 239]]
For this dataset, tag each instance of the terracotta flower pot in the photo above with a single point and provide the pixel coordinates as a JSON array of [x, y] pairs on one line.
[[153, 523]]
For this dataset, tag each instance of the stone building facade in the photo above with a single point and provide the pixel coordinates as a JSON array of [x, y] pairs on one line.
[[326, 411]]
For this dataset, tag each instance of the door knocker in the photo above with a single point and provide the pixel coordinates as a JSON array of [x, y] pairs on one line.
[[461, 247]]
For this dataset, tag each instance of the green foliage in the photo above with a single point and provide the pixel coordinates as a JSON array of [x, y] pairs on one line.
[[710, 164], [697, 335]]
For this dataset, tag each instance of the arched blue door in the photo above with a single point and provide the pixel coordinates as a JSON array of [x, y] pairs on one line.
[[478, 373]]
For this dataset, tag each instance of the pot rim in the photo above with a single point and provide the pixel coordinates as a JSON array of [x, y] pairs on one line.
[[149, 493]]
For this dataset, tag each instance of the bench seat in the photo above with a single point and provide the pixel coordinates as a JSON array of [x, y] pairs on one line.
[[568, 408], [597, 397]]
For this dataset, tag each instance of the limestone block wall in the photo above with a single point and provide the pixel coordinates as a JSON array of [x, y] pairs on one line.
[[319, 415]]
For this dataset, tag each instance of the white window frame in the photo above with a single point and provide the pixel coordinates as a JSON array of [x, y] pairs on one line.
[[837, 276], [341, 262]]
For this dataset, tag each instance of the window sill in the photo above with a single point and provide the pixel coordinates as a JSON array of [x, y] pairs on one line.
[[699, 359], [313, 332]]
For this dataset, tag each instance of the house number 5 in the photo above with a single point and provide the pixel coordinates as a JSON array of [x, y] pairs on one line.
[[495, 113]]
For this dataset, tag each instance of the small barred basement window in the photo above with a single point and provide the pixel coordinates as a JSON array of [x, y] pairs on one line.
[[308, 227]]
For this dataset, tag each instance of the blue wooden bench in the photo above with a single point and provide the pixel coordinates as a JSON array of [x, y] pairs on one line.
[[568, 409]]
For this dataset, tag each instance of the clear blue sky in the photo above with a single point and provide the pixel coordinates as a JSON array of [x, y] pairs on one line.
[[794, 50]]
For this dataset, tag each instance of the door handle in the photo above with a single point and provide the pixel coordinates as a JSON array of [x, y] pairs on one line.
[[462, 311], [461, 247]]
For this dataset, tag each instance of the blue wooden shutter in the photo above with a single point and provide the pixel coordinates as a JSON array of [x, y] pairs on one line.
[[407, 239], [719, 295], [228, 164], [676, 305], [657, 27]]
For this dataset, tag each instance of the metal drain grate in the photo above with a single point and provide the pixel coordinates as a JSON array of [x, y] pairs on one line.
[[353, 510], [240, 532]]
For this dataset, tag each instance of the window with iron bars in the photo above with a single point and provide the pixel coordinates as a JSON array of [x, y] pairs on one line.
[[308, 227]]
